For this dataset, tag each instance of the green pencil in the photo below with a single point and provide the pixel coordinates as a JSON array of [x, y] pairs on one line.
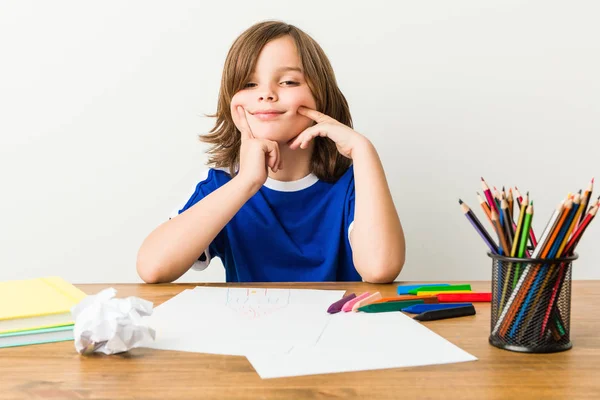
[[523, 241]]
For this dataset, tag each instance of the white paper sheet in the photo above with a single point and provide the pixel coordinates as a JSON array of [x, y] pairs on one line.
[[362, 341], [237, 321]]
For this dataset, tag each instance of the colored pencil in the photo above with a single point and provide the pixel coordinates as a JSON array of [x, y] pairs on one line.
[[500, 212], [523, 241], [541, 251], [485, 208], [520, 200], [508, 226], [497, 199], [500, 232], [519, 230], [524, 314], [597, 203], [581, 229], [509, 232], [488, 195], [513, 253], [478, 227], [580, 212], [532, 238], [539, 285], [514, 248], [569, 250], [511, 203], [518, 197], [588, 196]]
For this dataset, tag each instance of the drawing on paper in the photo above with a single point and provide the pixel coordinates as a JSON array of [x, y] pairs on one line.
[[255, 303]]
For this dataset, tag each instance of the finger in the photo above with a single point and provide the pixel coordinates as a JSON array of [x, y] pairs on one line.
[[272, 152], [307, 135], [278, 160], [313, 114], [242, 123], [295, 142], [311, 136]]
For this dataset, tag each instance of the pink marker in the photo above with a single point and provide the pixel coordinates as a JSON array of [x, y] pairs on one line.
[[367, 300], [348, 306]]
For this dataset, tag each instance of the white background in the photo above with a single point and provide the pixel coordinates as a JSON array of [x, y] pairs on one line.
[[101, 105]]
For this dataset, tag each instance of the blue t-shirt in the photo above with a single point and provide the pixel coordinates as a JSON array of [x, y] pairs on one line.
[[287, 232]]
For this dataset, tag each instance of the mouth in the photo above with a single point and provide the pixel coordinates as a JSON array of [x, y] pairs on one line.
[[266, 115]]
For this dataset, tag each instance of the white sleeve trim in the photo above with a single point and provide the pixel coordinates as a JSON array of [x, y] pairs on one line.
[[198, 265], [350, 231], [203, 177], [201, 265]]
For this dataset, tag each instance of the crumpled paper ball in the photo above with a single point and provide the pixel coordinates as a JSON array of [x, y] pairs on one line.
[[108, 325]]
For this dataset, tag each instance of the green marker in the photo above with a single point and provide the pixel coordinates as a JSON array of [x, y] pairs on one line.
[[389, 306], [447, 288]]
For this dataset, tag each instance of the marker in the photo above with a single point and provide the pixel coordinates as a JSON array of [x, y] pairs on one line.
[[421, 308], [442, 288], [365, 301], [348, 306], [426, 299], [464, 297], [337, 306], [447, 313], [421, 293], [388, 307], [403, 289]]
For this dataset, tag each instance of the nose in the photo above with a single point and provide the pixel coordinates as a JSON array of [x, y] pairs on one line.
[[267, 93]]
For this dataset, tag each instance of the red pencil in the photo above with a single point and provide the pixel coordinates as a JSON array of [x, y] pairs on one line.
[[488, 195], [586, 199]]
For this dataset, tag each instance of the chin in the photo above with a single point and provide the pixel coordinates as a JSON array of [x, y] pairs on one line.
[[276, 135]]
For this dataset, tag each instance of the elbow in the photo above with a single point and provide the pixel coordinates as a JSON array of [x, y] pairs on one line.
[[384, 270], [147, 270]]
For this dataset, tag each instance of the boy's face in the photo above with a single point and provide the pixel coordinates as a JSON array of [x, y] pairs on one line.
[[274, 92]]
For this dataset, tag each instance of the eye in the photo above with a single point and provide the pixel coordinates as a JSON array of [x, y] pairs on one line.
[[289, 83], [249, 85]]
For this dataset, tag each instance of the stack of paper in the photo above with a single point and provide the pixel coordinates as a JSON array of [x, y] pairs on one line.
[[37, 311], [287, 332]]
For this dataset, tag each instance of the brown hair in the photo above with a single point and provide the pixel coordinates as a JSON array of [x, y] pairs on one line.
[[326, 163]]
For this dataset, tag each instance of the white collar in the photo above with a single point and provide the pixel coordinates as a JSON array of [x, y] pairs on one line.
[[292, 186]]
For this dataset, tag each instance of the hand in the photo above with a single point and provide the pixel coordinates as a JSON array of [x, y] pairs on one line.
[[345, 138], [256, 155]]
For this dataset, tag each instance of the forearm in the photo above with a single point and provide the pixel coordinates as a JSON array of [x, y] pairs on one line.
[[377, 238], [171, 249]]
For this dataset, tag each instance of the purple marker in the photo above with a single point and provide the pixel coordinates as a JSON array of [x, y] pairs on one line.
[[337, 306]]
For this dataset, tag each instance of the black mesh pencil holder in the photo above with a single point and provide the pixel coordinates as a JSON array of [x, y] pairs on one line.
[[531, 304]]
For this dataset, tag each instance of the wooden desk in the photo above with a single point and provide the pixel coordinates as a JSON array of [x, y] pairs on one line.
[[56, 371]]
